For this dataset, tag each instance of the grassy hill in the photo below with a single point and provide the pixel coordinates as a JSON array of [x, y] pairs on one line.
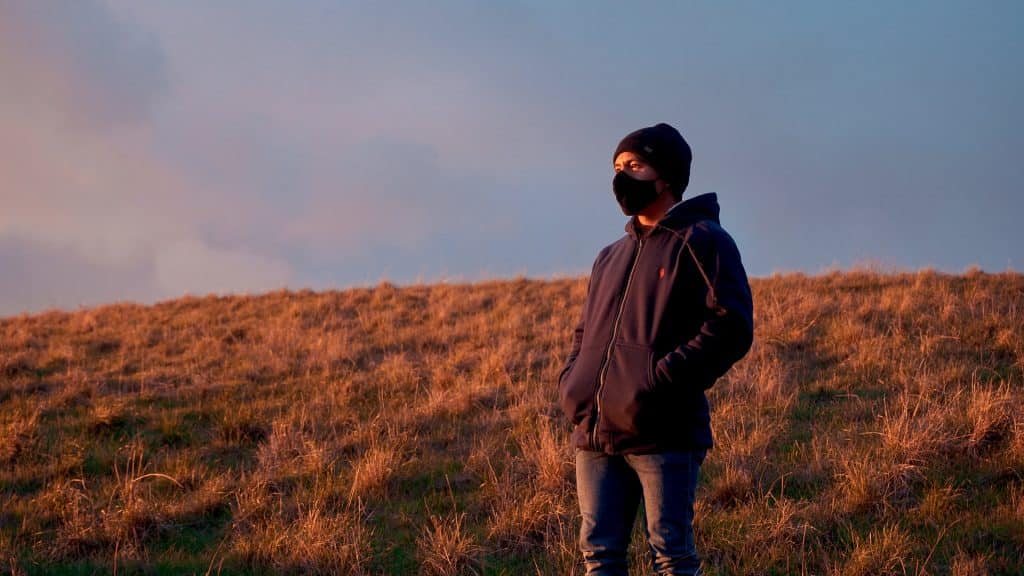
[[876, 427]]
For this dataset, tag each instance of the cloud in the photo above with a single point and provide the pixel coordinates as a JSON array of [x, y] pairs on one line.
[[37, 275], [79, 62], [241, 146], [76, 170], [306, 143], [382, 191], [84, 184], [223, 271]]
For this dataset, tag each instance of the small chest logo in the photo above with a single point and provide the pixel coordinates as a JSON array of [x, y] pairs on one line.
[[661, 272]]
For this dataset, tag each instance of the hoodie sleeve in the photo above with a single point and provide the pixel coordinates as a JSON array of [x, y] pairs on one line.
[[577, 334], [577, 340], [727, 332]]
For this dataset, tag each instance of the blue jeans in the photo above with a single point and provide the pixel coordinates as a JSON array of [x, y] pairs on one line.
[[611, 487]]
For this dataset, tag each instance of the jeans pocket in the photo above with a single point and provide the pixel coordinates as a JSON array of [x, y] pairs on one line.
[[626, 395]]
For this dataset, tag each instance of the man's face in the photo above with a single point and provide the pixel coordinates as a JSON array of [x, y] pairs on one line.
[[635, 166]]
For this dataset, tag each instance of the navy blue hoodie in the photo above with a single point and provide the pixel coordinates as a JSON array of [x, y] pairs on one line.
[[668, 311]]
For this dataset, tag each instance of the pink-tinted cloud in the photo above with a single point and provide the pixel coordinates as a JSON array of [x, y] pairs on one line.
[[79, 172]]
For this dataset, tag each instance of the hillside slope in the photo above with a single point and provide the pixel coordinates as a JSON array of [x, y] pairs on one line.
[[876, 427]]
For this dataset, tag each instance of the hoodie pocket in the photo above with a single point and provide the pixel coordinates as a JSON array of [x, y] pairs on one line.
[[626, 394], [578, 383]]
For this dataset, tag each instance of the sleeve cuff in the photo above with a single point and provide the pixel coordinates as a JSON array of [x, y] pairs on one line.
[[661, 372]]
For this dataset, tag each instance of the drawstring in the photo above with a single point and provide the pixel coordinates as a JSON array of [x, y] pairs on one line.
[[711, 288]]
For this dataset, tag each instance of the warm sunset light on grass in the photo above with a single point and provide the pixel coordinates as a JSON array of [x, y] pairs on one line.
[[875, 428]]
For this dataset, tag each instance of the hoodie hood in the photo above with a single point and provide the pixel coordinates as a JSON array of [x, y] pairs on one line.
[[686, 213]]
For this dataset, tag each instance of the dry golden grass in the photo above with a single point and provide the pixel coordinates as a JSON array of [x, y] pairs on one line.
[[876, 427]]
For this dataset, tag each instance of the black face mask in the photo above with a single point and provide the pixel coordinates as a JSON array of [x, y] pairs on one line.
[[633, 195]]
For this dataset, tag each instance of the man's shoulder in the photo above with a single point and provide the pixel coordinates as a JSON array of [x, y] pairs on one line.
[[618, 244], [704, 232], [606, 252], [708, 238]]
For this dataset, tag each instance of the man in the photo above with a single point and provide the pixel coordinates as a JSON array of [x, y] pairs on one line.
[[667, 312]]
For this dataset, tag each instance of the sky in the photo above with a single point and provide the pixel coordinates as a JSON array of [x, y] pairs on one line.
[[150, 149]]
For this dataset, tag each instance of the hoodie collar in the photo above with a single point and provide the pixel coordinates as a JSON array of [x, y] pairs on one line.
[[683, 213]]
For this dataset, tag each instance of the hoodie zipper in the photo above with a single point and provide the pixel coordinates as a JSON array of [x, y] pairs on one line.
[[611, 345]]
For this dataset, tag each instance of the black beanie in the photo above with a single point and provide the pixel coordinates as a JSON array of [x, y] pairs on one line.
[[664, 149]]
